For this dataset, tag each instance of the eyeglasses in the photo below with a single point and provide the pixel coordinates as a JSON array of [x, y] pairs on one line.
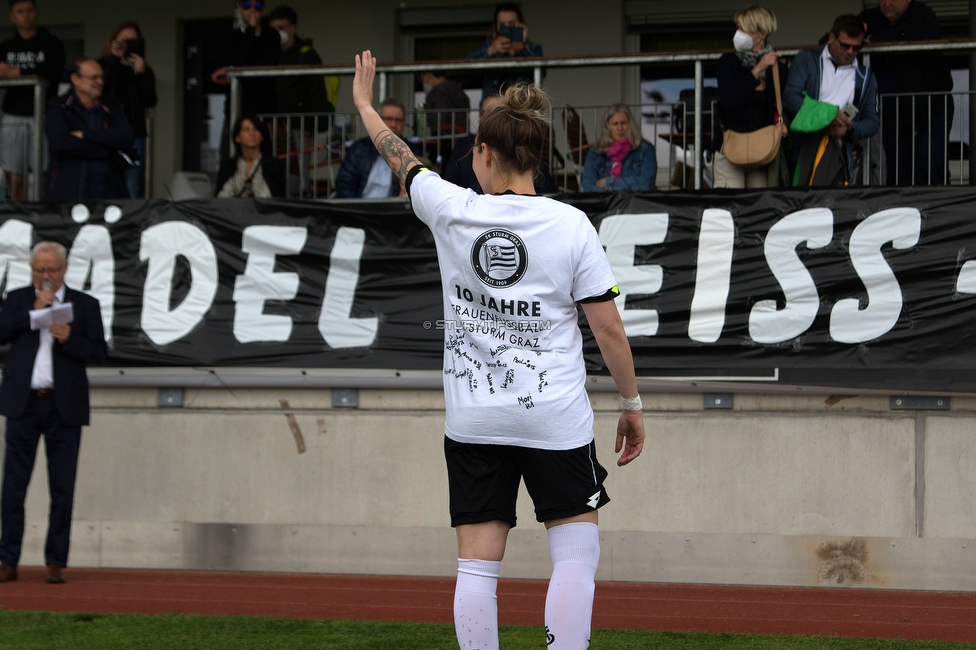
[[850, 47], [257, 4], [49, 271], [390, 118], [92, 77]]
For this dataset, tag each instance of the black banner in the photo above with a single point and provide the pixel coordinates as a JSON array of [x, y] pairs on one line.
[[872, 288]]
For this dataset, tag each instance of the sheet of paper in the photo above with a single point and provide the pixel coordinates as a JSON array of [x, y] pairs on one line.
[[44, 318]]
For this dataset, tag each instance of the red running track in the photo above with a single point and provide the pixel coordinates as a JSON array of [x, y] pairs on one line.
[[865, 613]]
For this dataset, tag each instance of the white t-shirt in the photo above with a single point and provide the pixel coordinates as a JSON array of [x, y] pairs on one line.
[[513, 268]]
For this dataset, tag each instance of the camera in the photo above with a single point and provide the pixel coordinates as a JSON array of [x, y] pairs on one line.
[[511, 32], [136, 46]]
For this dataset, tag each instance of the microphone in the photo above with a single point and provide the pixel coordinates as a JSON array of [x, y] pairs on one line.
[[46, 286]]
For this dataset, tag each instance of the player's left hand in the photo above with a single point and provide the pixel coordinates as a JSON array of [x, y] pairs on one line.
[[630, 436]]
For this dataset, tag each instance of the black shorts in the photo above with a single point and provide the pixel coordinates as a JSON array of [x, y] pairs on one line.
[[484, 481]]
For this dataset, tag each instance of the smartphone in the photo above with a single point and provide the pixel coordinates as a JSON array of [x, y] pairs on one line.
[[849, 109], [136, 46], [511, 32]]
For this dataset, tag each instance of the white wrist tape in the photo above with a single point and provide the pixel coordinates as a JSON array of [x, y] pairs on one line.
[[632, 403]]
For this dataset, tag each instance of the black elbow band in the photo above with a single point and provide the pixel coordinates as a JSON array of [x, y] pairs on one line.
[[412, 174]]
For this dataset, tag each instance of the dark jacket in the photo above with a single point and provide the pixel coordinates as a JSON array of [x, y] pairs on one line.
[[87, 167], [354, 170], [301, 94], [42, 55], [135, 92], [441, 105], [245, 48], [740, 107], [85, 346], [272, 170], [495, 79], [911, 71]]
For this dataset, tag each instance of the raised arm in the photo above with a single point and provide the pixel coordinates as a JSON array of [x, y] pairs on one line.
[[394, 151]]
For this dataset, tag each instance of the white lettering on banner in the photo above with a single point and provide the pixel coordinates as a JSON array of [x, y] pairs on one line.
[[848, 322], [161, 244], [966, 282], [91, 256], [621, 234], [259, 282], [335, 324], [815, 227], [15, 245], [715, 244]]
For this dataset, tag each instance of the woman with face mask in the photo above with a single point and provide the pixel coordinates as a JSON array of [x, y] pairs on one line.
[[746, 95]]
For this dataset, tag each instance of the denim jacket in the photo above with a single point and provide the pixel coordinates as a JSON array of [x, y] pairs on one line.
[[638, 173]]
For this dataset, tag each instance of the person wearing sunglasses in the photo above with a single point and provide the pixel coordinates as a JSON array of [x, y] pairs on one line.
[[251, 43], [835, 76]]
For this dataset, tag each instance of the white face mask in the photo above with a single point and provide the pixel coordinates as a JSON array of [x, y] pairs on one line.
[[284, 36], [427, 87], [741, 41]]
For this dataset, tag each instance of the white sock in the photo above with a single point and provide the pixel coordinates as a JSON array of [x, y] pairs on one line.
[[575, 550], [475, 604]]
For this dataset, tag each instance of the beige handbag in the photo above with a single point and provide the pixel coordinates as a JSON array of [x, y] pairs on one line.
[[756, 148]]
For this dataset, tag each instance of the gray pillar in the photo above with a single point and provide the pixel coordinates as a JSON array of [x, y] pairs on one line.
[[37, 139]]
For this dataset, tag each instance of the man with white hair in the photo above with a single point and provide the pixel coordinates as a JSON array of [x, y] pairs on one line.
[[45, 393]]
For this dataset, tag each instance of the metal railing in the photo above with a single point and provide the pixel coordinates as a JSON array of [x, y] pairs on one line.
[[694, 59], [36, 150]]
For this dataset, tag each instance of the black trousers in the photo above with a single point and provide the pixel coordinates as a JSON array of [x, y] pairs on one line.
[[61, 443]]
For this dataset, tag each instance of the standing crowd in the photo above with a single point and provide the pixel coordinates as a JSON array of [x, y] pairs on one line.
[[823, 109], [96, 129]]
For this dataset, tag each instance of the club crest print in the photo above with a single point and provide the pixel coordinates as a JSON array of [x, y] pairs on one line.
[[499, 258]]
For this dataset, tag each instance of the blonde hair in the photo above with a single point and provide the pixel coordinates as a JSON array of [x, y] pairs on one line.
[[604, 141], [513, 126], [756, 18]]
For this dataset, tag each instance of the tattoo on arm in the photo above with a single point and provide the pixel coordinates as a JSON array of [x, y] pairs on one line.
[[396, 153]]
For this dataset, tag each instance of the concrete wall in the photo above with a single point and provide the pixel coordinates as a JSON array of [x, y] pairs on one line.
[[341, 29], [780, 490]]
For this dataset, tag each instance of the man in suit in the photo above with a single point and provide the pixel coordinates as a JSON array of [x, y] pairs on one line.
[[44, 393]]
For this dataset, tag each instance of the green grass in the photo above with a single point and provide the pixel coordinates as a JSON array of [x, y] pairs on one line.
[[46, 630]]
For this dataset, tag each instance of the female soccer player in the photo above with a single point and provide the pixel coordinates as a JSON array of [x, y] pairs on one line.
[[514, 266]]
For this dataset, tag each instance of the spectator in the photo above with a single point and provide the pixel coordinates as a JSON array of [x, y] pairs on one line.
[[621, 160], [914, 129], [446, 109], [506, 23], [833, 75], [87, 137], [130, 80], [363, 173], [298, 96], [253, 43], [254, 171], [747, 96], [31, 51]]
